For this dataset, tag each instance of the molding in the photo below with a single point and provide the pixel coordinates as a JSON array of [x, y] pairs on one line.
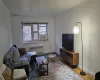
[[87, 71]]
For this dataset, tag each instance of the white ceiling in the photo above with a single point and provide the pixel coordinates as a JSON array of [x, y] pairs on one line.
[[40, 7]]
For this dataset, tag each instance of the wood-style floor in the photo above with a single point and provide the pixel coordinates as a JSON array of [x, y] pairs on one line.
[[86, 77]]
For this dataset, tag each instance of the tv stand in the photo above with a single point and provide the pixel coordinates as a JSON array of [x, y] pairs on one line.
[[69, 56]]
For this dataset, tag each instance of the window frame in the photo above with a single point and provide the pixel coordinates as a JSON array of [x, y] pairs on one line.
[[32, 32]]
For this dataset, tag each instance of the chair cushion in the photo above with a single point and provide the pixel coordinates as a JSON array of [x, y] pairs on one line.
[[18, 73]]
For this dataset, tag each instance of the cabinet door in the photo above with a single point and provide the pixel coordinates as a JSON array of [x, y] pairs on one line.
[[75, 59], [63, 55]]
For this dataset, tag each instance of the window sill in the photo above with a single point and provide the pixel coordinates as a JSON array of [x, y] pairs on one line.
[[28, 42]]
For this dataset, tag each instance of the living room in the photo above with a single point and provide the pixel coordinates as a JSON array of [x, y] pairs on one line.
[[61, 19]]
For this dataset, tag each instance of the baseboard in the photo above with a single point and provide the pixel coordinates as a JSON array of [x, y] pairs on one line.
[[50, 53], [57, 54], [46, 53], [87, 71]]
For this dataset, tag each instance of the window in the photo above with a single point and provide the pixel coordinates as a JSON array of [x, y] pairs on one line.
[[35, 31]]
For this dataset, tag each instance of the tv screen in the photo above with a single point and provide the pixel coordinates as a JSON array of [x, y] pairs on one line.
[[68, 41]]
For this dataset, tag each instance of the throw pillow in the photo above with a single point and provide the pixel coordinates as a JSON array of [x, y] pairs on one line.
[[7, 74]]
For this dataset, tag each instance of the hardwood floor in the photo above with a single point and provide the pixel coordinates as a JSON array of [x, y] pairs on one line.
[[86, 77]]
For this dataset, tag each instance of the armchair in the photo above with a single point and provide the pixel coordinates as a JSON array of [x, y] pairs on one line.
[[13, 60]]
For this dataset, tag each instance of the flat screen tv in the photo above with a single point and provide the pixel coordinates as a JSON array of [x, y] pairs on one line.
[[68, 41]]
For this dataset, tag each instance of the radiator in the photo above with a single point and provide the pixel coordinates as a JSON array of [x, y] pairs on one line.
[[38, 49]]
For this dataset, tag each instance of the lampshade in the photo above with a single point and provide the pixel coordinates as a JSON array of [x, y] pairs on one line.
[[76, 30]]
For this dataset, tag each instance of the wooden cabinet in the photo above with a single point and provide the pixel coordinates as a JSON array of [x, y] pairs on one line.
[[71, 57]]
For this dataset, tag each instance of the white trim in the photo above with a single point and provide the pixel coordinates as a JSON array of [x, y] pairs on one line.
[[87, 71]]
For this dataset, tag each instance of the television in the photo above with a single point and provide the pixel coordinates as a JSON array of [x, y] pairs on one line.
[[68, 41]]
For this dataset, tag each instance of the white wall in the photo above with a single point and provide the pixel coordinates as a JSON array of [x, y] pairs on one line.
[[49, 45], [89, 14], [5, 30]]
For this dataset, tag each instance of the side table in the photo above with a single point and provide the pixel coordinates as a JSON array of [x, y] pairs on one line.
[[42, 66]]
